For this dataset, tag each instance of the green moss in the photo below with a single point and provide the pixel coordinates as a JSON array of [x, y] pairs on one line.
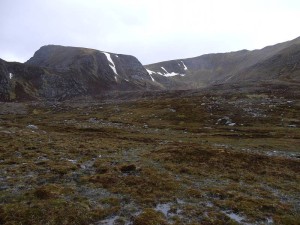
[[150, 217], [47, 212]]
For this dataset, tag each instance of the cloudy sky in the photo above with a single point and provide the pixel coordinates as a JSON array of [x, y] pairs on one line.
[[151, 30]]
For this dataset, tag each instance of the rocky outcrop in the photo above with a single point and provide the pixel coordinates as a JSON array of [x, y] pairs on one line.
[[4, 81]]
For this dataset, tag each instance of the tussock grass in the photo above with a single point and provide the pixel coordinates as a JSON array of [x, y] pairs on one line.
[[122, 159]]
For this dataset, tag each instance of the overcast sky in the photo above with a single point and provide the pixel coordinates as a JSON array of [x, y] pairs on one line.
[[151, 30]]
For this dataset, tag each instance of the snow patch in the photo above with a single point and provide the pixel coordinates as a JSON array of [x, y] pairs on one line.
[[114, 69], [150, 71], [152, 78], [172, 74], [229, 78], [185, 68], [167, 74], [164, 69], [10, 76], [116, 78], [112, 66]]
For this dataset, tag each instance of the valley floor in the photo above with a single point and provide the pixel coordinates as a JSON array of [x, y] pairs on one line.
[[181, 157]]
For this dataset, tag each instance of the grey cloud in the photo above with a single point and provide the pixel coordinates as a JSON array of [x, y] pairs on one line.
[[151, 30]]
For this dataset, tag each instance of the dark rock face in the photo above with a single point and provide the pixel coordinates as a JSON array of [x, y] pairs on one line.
[[99, 64], [94, 71], [57, 72], [5, 85]]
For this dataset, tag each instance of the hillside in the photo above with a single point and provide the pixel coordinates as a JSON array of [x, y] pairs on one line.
[[217, 68], [282, 66]]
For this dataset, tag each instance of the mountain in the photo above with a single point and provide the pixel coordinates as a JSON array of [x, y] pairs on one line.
[[58, 72], [272, 62]]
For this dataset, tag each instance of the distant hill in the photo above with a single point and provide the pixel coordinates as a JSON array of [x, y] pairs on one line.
[[271, 62]]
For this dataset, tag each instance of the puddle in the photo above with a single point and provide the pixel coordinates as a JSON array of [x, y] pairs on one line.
[[180, 201], [74, 161], [113, 221], [209, 204], [164, 208], [88, 164], [283, 154], [236, 217], [270, 220], [110, 221], [168, 210], [274, 153], [42, 158]]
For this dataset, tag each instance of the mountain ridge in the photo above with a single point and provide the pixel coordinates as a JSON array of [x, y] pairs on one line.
[[214, 68], [58, 72]]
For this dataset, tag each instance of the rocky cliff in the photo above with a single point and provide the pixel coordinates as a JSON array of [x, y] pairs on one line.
[[58, 72], [5, 85]]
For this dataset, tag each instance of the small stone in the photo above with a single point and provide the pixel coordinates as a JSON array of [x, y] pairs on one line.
[[31, 126], [231, 124]]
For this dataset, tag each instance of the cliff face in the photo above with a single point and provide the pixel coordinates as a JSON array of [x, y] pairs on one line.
[[99, 64], [22, 82], [57, 72], [4, 81]]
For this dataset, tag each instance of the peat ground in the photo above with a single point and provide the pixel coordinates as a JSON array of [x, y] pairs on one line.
[[178, 157]]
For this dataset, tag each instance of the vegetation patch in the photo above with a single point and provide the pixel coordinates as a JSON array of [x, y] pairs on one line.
[[219, 158]]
